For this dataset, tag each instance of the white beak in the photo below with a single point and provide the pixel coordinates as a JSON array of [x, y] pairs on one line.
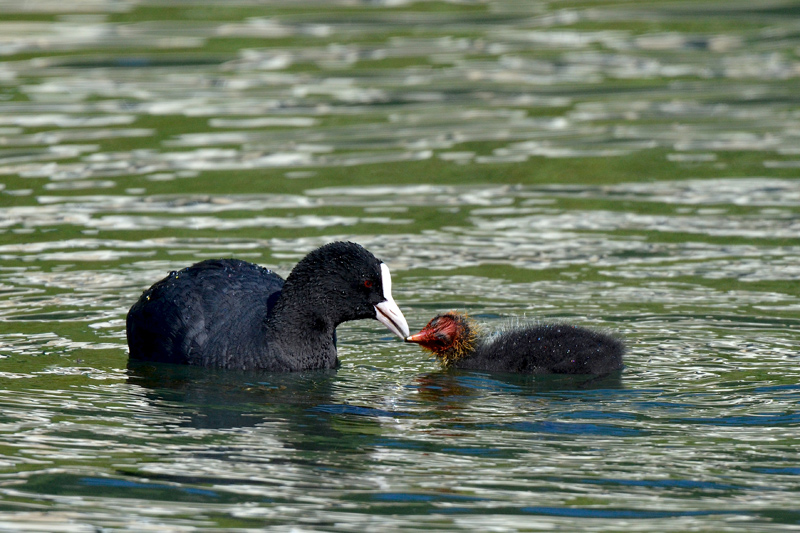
[[387, 311]]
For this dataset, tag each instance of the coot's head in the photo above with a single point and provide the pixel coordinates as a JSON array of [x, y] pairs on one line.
[[343, 281], [449, 336]]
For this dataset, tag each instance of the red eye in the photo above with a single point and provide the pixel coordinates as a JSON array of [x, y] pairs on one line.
[[368, 283]]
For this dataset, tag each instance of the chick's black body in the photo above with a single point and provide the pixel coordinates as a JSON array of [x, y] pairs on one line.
[[534, 349], [546, 349], [227, 313]]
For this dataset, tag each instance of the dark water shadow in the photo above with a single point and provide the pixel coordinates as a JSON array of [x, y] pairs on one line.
[[218, 399], [297, 413], [303, 407], [459, 384]]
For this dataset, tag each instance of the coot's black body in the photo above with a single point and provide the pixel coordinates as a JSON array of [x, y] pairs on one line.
[[534, 349], [196, 315], [227, 313]]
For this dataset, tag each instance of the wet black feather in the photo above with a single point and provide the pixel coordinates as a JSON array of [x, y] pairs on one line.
[[227, 313]]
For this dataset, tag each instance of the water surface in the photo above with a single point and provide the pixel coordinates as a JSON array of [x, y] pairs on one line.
[[628, 166]]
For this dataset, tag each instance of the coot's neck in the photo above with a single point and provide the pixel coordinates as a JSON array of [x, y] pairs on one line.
[[300, 333]]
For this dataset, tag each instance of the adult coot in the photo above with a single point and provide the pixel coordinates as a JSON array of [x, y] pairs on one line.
[[535, 349], [227, 313]]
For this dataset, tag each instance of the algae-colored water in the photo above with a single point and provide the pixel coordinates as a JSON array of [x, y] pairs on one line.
[[627, 166]]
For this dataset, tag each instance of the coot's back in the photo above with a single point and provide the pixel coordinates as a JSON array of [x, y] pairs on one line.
[[192, 315]]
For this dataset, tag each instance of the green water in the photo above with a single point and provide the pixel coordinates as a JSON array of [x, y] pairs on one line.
[[626, 166]]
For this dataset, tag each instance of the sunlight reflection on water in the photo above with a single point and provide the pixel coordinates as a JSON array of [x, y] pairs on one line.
[[625, 167]]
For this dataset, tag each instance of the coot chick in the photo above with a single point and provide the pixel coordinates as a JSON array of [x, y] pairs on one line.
[[534, 349], [227, 313]]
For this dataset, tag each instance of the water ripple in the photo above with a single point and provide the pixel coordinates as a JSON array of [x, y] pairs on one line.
[[626, 168]]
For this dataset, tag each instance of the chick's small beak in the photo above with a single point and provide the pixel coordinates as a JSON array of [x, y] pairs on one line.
[[420, 337]]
